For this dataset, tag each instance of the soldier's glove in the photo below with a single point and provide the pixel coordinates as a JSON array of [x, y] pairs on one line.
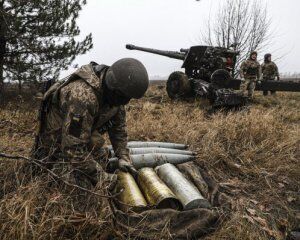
[[258, 82], [126, 166]]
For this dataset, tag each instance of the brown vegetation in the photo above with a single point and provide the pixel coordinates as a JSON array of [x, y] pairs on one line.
[[254, 155]]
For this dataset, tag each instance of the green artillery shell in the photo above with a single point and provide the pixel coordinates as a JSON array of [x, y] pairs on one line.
[[137, 151], [185, 191], [155, 191], [131, 197]]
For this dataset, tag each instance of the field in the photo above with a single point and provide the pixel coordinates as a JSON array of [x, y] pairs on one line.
[[253, 154]]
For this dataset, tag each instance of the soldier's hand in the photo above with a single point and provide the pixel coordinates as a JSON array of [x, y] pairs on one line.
[[259, 82], [126, 166]]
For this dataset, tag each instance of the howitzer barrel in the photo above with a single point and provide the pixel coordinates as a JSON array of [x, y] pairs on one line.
[[170, 54], [184, 50]]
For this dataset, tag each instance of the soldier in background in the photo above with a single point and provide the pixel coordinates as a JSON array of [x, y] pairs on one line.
[[269, 71], [76, 112], [250, 73]]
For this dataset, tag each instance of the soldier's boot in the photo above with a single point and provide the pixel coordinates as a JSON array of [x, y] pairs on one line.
[[83, 180], [273, 92], [90, 174], [85, 173], [108, 180], [250, 94], [265, 93]]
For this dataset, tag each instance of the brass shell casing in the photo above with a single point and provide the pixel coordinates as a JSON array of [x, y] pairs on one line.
[[131, 198], [155, 191]]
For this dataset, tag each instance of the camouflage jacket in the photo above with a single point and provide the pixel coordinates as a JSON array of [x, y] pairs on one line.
[[269, 71], [250, 69], [78, 117]]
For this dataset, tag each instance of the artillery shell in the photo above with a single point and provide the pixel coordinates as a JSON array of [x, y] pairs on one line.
[[155, 159], [186, 192], [131, 197], [137, 144], [155, 191], [137, 151], [194, 175]]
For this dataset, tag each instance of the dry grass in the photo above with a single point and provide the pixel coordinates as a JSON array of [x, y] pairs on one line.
[[254, 155]]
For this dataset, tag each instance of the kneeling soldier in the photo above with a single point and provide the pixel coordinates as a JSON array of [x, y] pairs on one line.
[[76, 112]]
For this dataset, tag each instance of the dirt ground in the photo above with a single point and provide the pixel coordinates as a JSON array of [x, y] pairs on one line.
[[253, 154]]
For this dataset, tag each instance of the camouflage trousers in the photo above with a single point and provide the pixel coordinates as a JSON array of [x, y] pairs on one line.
[[248, 86], [265, 93]]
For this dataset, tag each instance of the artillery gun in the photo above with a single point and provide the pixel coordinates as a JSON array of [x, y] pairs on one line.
[[208, 73]]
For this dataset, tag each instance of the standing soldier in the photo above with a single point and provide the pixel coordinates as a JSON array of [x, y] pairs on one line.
[[269, 71], [75, 113], [250, 72]]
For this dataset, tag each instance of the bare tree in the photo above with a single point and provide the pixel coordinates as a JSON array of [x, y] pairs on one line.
[[242, 25]]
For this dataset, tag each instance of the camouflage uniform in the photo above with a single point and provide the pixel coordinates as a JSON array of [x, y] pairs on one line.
[[269, 72], [251, 72], [75, 120]]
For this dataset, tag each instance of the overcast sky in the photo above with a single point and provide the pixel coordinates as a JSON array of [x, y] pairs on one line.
[[171, 25]]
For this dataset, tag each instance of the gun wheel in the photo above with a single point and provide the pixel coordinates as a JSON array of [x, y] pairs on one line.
[[178, 85], [221, 78]]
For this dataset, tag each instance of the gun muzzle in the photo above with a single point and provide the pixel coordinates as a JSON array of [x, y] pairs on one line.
[[130, 46]]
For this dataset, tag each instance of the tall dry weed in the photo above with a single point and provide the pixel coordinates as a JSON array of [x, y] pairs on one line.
[[253, 154]]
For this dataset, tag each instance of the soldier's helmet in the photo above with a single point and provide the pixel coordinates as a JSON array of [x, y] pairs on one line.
[[129, 77], [267, 57]]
